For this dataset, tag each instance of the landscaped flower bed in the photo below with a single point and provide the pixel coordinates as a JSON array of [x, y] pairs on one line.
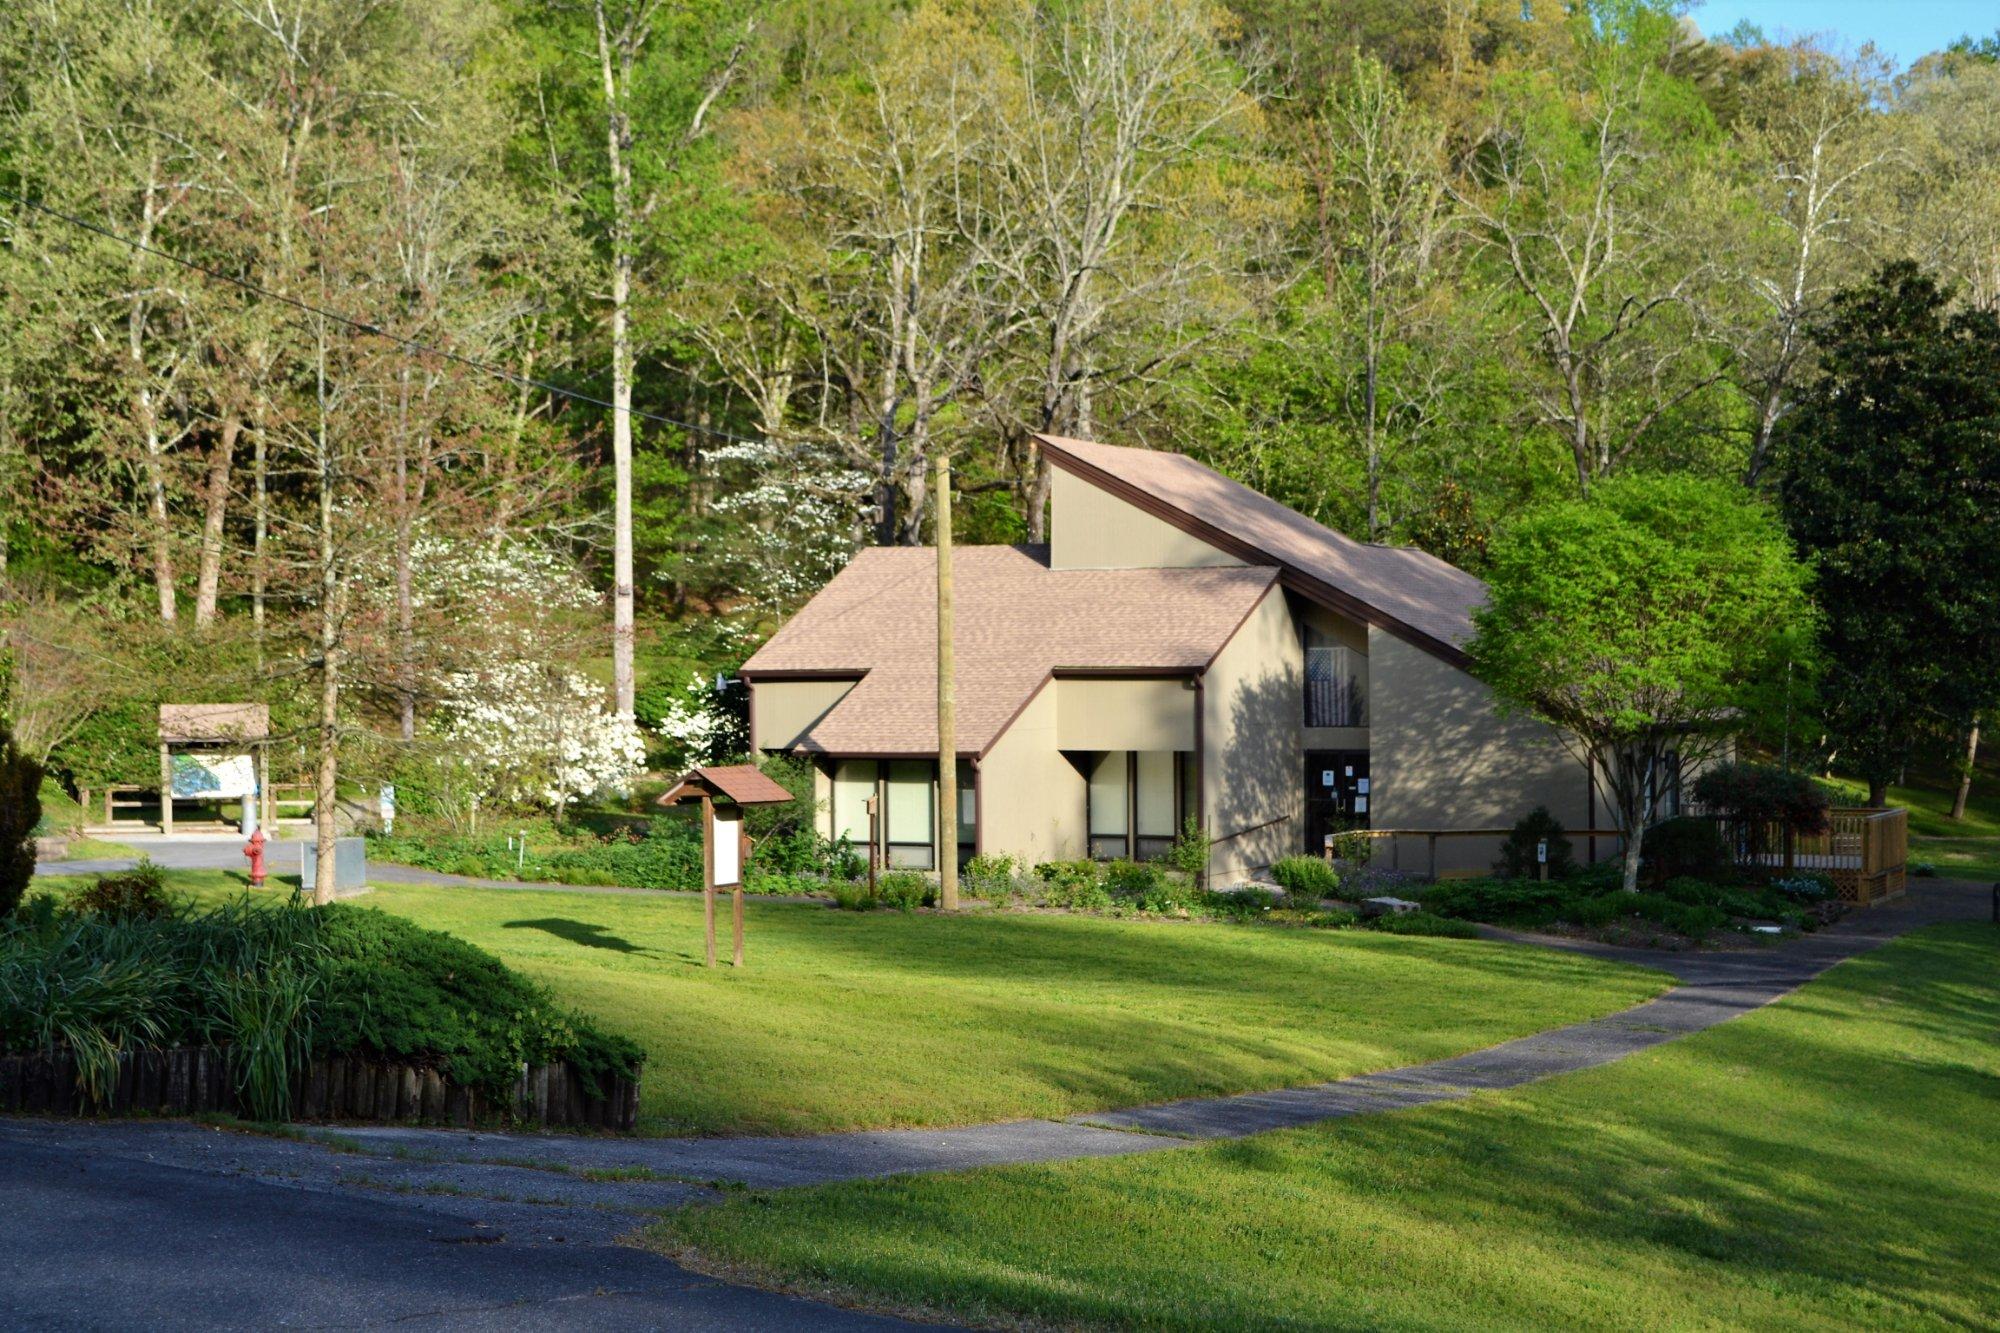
[[249, 1007]]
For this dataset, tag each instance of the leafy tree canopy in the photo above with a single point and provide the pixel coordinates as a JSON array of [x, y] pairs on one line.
[[1892, 485], [1638, 622]]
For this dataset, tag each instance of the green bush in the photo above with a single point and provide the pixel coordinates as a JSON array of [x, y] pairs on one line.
[[1518, 854], [20, 812], [1305, 879], [1807, 888], [1248, 904], [906, 890], [1333, 918], [1190, 850], [991, 877], [1505, 902], [1687, 847], [138, 892], [1422, 923], [1077, 885], [1353, 848], [1756, 796], [1147, 887], [854, 895], [274, 984]]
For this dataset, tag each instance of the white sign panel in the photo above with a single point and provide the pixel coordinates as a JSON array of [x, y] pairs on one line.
[[1361, 805], [1361, 785], [728, 849], [1326, 777]]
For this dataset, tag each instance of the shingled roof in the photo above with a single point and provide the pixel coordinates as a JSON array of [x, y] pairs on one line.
[[1017, 623], [1409, 592]]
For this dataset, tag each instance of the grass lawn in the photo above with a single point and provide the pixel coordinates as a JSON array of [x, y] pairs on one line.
[[1830, 1161], [1966, 848], [848, 1020]]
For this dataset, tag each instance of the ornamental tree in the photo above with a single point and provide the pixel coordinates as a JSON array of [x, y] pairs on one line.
[[536, 734], [1639, 624], [1890, 480]]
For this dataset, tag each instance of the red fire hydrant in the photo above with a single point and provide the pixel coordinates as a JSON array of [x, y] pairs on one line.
[[254, 849]]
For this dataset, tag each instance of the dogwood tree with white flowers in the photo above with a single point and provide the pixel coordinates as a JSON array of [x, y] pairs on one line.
[[538, 734], [698, 727]]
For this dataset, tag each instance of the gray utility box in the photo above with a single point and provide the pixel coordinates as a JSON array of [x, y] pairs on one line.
[[350, 864]]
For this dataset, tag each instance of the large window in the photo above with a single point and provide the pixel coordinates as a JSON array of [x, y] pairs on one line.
[[1336, 683], [905, 794], [909, 836], [1137, 800]]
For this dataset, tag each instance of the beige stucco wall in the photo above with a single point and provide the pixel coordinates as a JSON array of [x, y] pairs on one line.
[[1250, 771], [1442, 757], [1032, 798], [1093, 529], [822, 801], [785, 710], [1124, 714]]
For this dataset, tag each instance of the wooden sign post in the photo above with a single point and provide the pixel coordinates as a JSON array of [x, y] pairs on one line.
[[725, 848]]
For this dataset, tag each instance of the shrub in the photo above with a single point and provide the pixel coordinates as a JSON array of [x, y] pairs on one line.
[[852, 895], [1189, 853], [1353, 847], [1073, 884], [1685, 847], [1518, 858], [1501, 901], [1759, 796], [20, 811], [1333, 918], [906, 890], [138, 892], [1804, 888], [1306, 880], [991, 877], [1244, 904], [274, 984], [1148, 888], [1923, 869], [1422, 923], [403, 993]]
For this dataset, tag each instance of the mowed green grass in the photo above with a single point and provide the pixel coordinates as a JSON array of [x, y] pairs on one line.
[[848, 1020], [859, 1020], [1829, 1161]]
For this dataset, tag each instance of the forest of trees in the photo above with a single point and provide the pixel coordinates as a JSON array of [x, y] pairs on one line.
[[356, 353]]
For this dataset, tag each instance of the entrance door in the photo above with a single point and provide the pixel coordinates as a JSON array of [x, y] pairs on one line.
[[1336, 794]]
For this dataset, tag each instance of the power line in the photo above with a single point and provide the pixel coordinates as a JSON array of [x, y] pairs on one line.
[[376, 330]]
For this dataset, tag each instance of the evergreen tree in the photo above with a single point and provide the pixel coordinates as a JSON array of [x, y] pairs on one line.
[[1891, 483]]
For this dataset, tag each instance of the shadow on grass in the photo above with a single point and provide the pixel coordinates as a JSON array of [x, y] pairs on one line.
[[586, 933]]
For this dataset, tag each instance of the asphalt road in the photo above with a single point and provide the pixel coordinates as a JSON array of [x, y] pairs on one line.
[[96, 1240]]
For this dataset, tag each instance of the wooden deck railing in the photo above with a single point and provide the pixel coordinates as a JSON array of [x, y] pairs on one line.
[[1865, 851]]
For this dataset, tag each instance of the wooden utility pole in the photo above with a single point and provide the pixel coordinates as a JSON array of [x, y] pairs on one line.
[[947, 705]]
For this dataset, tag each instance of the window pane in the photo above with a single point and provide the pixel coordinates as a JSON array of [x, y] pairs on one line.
[[968, 803], [1156, 793], [910, 800], [1107, 796], [853, 784], [1334, 692]]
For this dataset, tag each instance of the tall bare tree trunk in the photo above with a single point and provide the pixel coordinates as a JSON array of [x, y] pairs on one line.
[[1964, 792], [615, 55], [947, 703], [215, 507], [260, 524]]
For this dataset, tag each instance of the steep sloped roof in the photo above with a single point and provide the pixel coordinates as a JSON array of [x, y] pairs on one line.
[[1404, 590], [1016, 623]]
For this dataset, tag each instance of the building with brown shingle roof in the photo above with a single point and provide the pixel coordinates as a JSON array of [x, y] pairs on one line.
[[1183, 648]]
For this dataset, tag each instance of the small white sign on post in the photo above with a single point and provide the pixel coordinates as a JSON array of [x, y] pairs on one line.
[[728, 847]]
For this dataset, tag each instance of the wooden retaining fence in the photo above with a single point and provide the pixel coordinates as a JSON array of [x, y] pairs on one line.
[[190, 1080]]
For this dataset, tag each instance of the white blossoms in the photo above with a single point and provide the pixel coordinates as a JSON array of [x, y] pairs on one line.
[[539, 734]]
